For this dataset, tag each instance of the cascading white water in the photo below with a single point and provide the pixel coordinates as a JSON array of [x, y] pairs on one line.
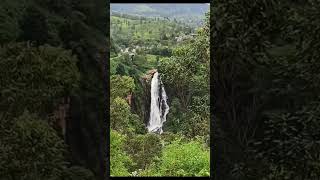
[[158, 107]]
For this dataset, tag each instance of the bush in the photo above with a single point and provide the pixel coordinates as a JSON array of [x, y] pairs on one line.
[[32, 77], [121, 86], [169, 137], [143, 148], [30, 149], [290, 144], [119, 114], [181, 159], [9, 26], [120, 162], [136, 124], [77, 173], [188, 159]]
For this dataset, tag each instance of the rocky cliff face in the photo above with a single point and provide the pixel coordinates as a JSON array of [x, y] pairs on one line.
[[141, 102]]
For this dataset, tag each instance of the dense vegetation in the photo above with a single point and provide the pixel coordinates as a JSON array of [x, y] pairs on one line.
[[265, 85], [266, 89], [183, 148], [51, 51]]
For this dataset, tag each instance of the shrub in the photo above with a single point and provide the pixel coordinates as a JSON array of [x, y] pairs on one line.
[[120, 162], [30, 149], [181, 159], [31, 77], [143, 148], [119, 114]]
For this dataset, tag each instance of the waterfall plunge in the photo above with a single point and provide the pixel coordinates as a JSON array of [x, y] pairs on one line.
[[158, 107]]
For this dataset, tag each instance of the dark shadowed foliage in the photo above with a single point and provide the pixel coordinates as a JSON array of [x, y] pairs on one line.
[[266, 89]]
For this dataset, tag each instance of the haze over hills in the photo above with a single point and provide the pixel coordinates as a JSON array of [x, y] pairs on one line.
[[191, 14]]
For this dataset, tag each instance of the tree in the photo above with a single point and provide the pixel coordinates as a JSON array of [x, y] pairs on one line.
[[120, 70], [119, 114], [40, 75], [290, 143], [30, 149], [34, 26], [264, 89], [77, 28], [194, 124], [121, 86], [9, 24], [178, 71]]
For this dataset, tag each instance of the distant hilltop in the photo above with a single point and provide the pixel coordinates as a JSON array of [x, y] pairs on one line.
[[192, 14]]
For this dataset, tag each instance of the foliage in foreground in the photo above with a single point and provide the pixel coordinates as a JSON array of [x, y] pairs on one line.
[[266, 77], [29, 144], [45, 46], [143, 148], [120, 162], [31, 149], [181, 159]]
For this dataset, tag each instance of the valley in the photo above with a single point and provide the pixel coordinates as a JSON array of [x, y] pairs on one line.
[[159, 86]]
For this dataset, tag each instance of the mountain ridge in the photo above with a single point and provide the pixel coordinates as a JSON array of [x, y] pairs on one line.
[[187, 13]]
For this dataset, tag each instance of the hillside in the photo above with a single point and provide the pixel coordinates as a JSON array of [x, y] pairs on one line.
[[141, 30], [149, 39], [190, 14]]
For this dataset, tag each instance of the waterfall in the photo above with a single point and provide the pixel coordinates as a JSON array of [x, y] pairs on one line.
[[158, 107]]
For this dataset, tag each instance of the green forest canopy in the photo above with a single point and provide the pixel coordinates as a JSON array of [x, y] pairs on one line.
[[266, 89], [48, 53]]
